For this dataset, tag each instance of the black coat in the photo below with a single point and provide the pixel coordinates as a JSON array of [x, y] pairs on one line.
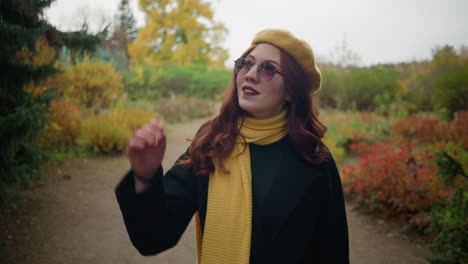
[[298, 213]]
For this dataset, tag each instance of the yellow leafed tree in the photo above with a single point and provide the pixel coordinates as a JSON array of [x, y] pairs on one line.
[[44, 55], [181, 32]]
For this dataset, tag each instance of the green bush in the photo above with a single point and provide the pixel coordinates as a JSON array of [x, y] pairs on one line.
[[449, 217], [331, 84], [449, 220], [19, 153], [153, 82], [451, 91], [364, 85], [363, 89], [459, 153]]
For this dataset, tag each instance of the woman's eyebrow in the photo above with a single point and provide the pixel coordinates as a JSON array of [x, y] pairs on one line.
[[272, 61]]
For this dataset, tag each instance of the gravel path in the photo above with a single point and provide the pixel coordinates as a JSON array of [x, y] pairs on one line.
[[71, 216]]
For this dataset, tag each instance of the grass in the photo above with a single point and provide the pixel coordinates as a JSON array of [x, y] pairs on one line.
[[75, 152]]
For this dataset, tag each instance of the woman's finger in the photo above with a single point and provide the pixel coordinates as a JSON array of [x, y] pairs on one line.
[[156, 125], [135, 144]]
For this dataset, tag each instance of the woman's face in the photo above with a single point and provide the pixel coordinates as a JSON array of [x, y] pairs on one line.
[[259, 97]]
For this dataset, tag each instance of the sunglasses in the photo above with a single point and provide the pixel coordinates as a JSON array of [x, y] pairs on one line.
[[265, 70]]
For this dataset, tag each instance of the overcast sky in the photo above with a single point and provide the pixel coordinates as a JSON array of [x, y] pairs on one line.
[[379, 31]]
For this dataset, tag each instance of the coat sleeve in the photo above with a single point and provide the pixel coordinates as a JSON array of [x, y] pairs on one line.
[[333, 245], [156, 218]]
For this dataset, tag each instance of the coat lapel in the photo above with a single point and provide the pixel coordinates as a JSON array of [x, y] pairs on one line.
[[290, 187]]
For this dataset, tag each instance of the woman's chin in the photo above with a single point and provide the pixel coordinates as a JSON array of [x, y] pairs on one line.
[[248, 108]]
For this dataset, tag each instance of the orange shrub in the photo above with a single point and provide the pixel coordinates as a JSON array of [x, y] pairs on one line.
[[64, 126]]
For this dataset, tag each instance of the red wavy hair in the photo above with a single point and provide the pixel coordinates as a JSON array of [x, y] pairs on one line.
[[216, 137]]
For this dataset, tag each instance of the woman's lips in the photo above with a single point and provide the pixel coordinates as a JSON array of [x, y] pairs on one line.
[[249, 91]]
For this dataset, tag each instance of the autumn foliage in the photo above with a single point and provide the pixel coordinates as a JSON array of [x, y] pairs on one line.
[[400, 175], [110, 132], [421, 129], [395, 179], [179, 32], [89, 84], [63, 128]]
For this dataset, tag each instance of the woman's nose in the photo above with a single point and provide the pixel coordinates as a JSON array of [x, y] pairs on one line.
[[252, 73]]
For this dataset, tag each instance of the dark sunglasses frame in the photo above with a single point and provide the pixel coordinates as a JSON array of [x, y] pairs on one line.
[[265, 70]]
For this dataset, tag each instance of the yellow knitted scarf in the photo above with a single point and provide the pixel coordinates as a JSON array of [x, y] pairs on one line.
[[228, 225]]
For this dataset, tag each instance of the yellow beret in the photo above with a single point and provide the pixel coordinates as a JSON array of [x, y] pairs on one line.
[[297, 48]]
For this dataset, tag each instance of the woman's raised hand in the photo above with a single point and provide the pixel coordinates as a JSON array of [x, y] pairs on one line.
[[146, 151]]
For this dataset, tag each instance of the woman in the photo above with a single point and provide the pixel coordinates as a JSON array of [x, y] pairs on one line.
[[261, 183]]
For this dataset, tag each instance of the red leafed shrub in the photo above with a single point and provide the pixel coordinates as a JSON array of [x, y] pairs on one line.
[[456, 130], [365, 148], [399, 175], [394, 177], [420, 129], [416, 127]]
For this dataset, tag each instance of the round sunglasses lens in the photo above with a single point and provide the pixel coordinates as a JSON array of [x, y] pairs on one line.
[[266, 71], [242, 65], [238, 66]]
